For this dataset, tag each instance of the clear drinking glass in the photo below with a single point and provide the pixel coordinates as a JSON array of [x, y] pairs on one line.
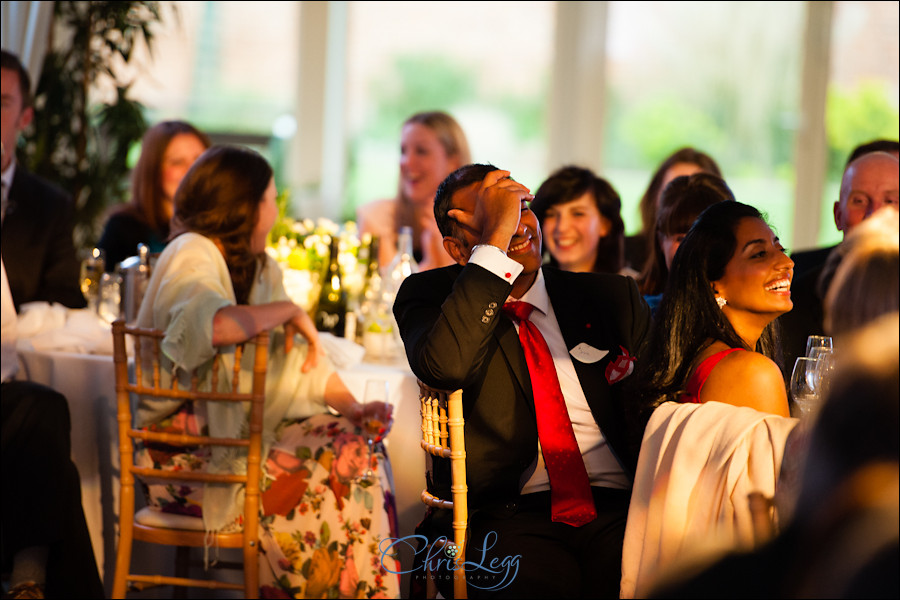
[[824, 369], [805, 384], [817, 341], [376, 391], [109, 304], [822, 355]]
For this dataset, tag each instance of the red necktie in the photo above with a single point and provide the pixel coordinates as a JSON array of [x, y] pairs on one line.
[[571, 500]]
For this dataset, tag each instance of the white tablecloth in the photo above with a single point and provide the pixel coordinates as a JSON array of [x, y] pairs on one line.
[[88, 381]]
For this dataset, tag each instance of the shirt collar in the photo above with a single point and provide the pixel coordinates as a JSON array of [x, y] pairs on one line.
[[536, 294], [9, 173], [7, 178]]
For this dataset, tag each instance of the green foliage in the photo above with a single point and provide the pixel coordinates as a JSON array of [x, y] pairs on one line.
[[418, 83], [80, 144], [654, 128], [282, 226], [527, 115], [857, 116]]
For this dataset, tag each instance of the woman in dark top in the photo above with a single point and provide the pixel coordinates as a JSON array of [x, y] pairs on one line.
[[685, 161], [681, 203], [168, 150]]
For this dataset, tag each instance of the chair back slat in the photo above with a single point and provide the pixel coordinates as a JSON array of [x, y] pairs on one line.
[[138, 357], [442, 425], [427, 427], [154, 344], [186, 440], [236, 371], [214, 379]]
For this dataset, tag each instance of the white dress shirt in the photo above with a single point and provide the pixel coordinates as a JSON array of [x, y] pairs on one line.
[[7, 179], [602, 467], [8, 335]]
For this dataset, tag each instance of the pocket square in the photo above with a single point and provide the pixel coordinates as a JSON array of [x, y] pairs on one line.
[[620, 368]]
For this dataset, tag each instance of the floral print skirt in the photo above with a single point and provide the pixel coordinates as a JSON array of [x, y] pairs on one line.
[[320, 527]]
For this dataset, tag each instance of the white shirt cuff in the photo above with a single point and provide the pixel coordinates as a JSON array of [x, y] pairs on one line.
[[495, 260]]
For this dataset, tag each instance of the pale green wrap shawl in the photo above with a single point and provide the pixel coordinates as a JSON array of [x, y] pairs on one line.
[[189, 284]]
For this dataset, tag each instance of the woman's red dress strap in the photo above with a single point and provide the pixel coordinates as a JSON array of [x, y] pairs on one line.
[[695, 383]]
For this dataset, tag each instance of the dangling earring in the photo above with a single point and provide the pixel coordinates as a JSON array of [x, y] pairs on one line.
[[721, 301]]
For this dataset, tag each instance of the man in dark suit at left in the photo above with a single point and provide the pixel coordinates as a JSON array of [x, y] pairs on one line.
[[37, 247], [547, 517]]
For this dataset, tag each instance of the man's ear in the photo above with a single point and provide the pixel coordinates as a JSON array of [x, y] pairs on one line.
[[838, 215], [24, 119], [456, 250]]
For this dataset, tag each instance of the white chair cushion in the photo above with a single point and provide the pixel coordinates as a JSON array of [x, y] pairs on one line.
[[156, 518], [152, 517]]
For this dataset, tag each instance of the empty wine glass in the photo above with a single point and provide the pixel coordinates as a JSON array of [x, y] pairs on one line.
[[805, 384], [823, 357], [376, 391], [817, 341], [824, 370], [109, 302]]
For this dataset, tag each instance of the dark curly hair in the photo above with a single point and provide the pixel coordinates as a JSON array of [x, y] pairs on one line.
[[570, 183], [455, 181]]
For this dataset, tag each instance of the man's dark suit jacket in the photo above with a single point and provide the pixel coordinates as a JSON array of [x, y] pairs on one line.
[[456, 336], [37, 248], [806, 260], [807, 315]]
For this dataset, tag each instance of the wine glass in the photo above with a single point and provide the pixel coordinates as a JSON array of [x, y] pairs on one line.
[[817, 341], [109, 303], [824, 369], [376, 391], [804, 384], [822, 355], [92, 268]]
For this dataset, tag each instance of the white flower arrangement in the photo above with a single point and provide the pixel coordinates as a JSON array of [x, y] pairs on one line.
[[302, 248]]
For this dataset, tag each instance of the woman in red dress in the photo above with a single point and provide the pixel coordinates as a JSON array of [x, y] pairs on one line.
[[714, 338]]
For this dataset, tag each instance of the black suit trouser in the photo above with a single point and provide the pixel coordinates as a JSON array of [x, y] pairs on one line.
[[514, 550], [41, 499]]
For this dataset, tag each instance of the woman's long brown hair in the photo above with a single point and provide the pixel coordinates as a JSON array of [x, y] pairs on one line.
[[219, 198]]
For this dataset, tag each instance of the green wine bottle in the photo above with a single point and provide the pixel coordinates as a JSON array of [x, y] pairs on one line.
[[331, 312]]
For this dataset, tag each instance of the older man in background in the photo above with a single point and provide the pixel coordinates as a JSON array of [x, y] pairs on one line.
[[869, 182]]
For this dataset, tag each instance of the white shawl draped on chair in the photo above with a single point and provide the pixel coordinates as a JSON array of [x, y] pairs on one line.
[[697, 465]]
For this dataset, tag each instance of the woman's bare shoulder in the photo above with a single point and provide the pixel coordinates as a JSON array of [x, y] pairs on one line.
[[748, 379], [377, 216]]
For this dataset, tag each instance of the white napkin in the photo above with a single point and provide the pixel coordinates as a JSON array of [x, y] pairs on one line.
[[44, 327], [38, 317], [343, 353]]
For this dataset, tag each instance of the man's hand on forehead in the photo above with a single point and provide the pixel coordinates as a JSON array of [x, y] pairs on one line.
[[503, 180]]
